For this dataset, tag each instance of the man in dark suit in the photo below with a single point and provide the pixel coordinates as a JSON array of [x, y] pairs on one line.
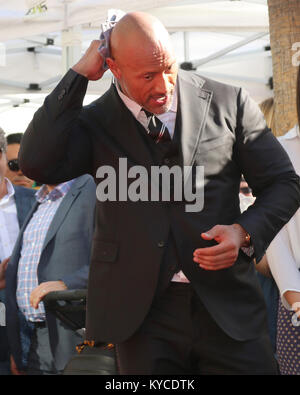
[[15, 203], [175, 290], [52, 253]]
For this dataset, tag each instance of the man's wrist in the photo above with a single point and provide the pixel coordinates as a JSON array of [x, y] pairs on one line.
[[79, 70], [245, 238]]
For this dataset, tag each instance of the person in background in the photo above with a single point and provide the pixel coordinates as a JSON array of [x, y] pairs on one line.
[[15, 203], [263, 272], [52, 253], [268, 109], [13, 171], [283, 257]]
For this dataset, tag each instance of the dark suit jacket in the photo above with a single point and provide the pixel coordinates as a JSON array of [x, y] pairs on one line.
[[24, 198], [222, 129], [65, 256]]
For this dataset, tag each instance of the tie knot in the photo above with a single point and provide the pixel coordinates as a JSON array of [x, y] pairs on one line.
[[156, 129], [148, 114]]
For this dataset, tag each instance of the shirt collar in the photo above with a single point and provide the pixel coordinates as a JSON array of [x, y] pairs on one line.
[[59, 191], [10, 192], [135, 108], [10, 188]]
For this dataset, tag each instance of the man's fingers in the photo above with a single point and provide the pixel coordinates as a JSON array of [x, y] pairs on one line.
[[218, 249], [37, 295], [34, 299], [222, 255], [214, 267], [215, 259], [34, 302], [43, 289], [211, 233], [207, 236]]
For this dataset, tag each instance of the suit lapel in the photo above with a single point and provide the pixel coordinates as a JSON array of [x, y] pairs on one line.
[[23, 203], [19, 205], [194, 103], [61, 212]]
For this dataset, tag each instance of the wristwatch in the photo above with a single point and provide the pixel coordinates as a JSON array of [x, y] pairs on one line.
[[247, 240]]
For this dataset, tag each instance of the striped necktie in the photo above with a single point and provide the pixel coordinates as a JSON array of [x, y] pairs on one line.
[[156, 129]]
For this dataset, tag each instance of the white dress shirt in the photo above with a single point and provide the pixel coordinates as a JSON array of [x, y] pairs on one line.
[[283, 254], [9, 224], [169, 119]]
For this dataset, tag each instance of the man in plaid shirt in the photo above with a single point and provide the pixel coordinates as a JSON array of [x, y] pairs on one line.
[[29, 292], [52, 253]]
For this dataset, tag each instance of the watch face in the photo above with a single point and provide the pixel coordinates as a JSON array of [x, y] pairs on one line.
[[247, 239]]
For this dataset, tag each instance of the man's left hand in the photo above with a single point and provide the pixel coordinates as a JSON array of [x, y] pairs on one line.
[[230, 239], [43, 289]]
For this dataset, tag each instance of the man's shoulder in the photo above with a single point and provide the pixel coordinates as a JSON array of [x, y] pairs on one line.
[[85, 182], [105, 98], [207, 83], [82, 197]]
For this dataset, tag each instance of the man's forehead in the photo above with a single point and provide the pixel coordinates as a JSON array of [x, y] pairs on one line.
[[12, 149], [153, 56]]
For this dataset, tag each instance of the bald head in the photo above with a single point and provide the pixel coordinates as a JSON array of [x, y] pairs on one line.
[[143, 62], [138, 32]]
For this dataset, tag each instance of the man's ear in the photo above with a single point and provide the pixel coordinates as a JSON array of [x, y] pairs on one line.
[[113, 67]]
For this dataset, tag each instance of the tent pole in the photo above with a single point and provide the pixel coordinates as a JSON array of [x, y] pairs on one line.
[[71, 40], [226, 50], [186, 43], [71, 47]]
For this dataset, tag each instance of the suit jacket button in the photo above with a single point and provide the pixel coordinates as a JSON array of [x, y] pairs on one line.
[[161, 244], [62, 94]]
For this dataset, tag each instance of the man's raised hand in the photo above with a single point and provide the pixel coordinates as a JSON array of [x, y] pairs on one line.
[[91, 63]]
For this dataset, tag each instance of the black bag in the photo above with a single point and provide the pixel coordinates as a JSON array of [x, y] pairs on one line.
[[92, 360]]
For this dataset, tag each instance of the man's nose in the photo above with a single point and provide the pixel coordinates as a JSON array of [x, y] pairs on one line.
[[163, 84]]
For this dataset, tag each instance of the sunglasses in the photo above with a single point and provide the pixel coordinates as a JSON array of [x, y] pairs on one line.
[[13, 165]]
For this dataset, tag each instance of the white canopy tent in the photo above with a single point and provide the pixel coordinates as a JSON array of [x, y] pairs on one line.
[[19, 18], [225, 40]]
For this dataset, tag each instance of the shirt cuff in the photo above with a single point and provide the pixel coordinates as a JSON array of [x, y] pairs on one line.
[[249, 251]]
